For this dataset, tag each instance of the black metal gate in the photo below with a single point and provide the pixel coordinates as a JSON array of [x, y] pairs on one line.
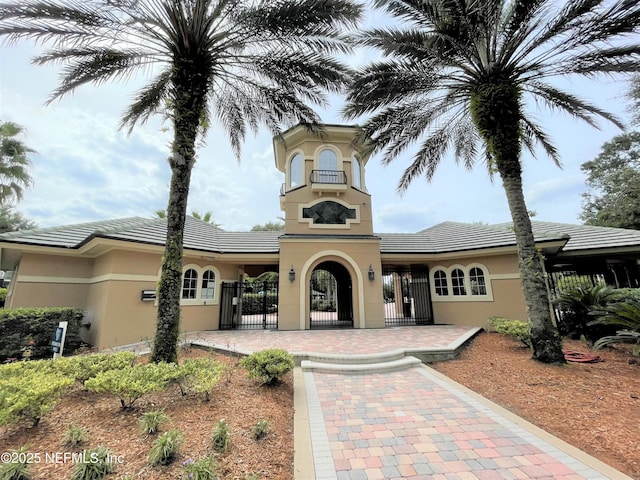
[[407, 300], [249, 305]]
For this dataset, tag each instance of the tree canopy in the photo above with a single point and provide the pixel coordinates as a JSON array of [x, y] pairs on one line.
[[614, 179], [14, 163], [268, 227], [11, 220]]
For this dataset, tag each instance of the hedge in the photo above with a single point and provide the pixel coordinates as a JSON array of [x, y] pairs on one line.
[[20, 326], [253, 303]]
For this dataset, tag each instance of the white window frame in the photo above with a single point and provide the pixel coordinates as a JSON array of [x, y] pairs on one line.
[[468, 296], [291, 180], [356, 172], [200, 269]]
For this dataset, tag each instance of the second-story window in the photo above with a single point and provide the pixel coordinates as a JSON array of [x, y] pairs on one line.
[[295, 171], [356, 172], [328, 166]]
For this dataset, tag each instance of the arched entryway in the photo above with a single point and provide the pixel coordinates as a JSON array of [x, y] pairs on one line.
[[330, 296]]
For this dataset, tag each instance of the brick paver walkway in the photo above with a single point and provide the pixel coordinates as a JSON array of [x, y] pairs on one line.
[[411, 424], [352, 341]]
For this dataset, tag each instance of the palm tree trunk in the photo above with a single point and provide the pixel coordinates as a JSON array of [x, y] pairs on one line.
[[189, 102], [496, 111], [545, 340]]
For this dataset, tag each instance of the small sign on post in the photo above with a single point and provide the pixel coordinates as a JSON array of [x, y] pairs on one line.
[[57, 344]]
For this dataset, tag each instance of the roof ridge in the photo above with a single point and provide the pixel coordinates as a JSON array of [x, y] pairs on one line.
[[30, 231]]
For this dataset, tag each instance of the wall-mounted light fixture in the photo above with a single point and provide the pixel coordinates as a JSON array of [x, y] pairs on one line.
[[372, 274], [292, 274]]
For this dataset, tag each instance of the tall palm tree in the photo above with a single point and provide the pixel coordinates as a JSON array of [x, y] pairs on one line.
[[244, 63], [14, 163], [457, 76]]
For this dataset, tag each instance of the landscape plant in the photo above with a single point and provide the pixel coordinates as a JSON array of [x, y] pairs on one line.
[[199, 376], [94, 464], [150, 421], [221, 438], [18, 468], [84, 367], [457, 78], [75, 435], [201, 469], [512, 328], [132, 382], [624, 315], [268, 365], [38, 325], [260, 429], [29, 390], [165, 448], [577, 307]]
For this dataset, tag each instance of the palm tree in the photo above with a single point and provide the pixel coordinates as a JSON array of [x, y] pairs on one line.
[[242, 63], [458, 74], [14, 177]]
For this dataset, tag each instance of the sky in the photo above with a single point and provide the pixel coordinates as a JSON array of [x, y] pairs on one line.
[[86, 169]]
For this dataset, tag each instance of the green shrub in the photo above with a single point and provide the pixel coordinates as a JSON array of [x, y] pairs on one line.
[[131, 383], [578, 305], [84, 367], [260, 429], [200, 375], [319, 305], [93, 464], [29, 390], [512, 328], [625, 315], [150, 421], [19, 325], [268, 365], [221, 437], [254, 303], [203, 469], [3, 296], [75, 435], [18, 466], [166, 448]]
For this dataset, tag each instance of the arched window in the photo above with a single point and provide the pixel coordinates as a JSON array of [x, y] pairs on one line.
[[457, 282], [190, 284], [295, 171], [440, 283], [327, 160], [208, 285], [357, 181], [476, 279]]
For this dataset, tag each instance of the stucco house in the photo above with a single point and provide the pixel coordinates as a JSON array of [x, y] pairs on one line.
[[334, 271]]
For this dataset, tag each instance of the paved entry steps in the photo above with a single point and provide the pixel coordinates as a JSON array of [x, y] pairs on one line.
[[366, 409]]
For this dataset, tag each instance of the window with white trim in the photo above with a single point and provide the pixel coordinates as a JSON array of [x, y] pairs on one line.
[[460, 283], [327, 160], [190, 284], [208, 289], [356, 172], [295, 171], [457, 282], [477, 282], [440, 283]]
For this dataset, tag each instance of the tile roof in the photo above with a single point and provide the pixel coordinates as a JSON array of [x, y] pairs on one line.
[[440, 238]]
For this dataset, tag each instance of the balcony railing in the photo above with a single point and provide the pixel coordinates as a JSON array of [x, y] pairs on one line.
[[333, 177]]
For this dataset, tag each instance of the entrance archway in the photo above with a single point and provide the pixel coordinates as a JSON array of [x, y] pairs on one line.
[[330, 296]]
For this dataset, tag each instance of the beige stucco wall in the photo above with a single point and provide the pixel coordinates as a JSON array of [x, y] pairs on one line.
[[508, 298], [108, 289], [50, 281], [305, 255]]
